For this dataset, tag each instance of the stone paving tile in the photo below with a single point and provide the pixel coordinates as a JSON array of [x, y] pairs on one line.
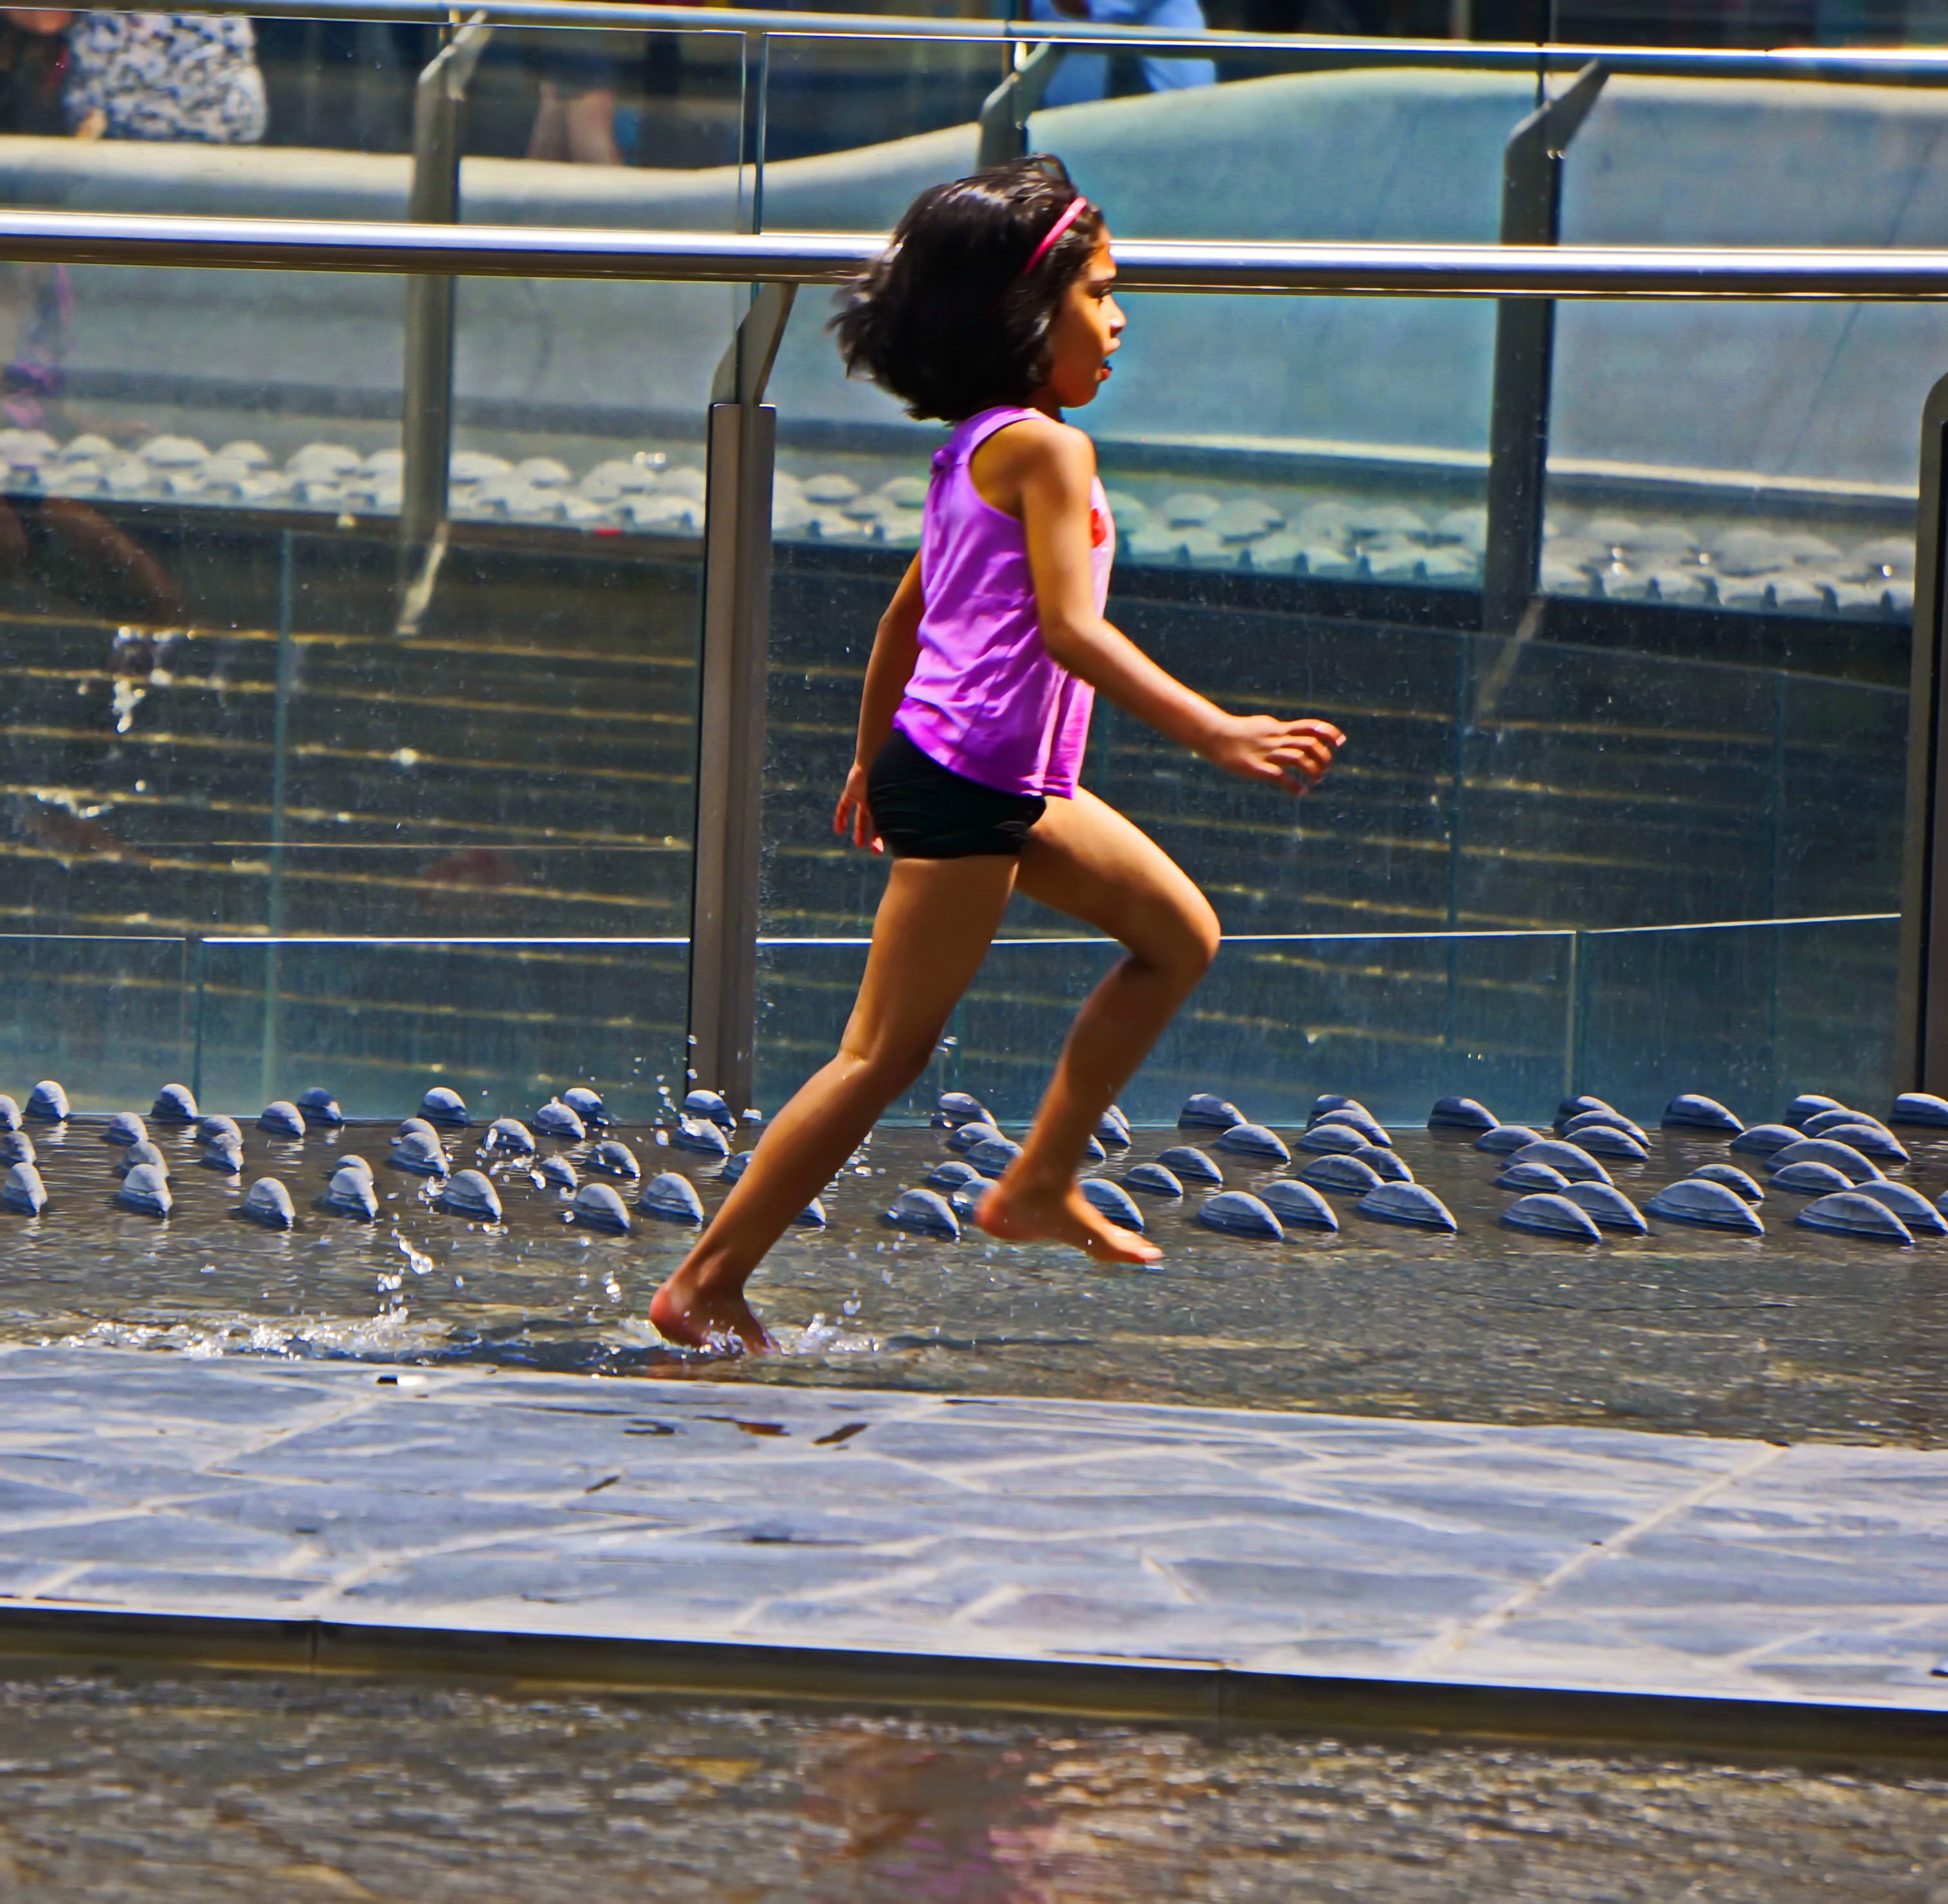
[[1522, 1518], [1824, 1570], [1358, 1541], [358, 1522], [136, 1538], [159, 1589], [30, 1500], [986, 1526], [197, 1391], [1678, 1571], [643, 1590], [93, 1472], [21, 1580], [1406, 1593], [925, 1499]]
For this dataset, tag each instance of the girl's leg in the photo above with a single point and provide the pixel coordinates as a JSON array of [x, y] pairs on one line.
[[934, 925], [1085, 859]]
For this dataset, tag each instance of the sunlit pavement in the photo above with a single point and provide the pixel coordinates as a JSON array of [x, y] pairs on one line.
[[478, 1502]]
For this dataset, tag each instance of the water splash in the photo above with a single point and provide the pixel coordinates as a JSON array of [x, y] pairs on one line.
[[820, 1337], [417, 1260]]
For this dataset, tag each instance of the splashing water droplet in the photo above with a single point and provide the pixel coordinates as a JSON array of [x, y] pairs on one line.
[[419, 1262]]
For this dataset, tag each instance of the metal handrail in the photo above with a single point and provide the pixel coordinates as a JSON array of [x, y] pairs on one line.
[[831, 258], [1876, 62]]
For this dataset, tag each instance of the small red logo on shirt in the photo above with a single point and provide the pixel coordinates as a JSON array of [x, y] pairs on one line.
[[1099, 529]]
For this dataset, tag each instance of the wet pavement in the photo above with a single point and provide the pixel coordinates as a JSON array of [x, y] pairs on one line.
[[212, 1789], [478, 1501], [1789, 1336]]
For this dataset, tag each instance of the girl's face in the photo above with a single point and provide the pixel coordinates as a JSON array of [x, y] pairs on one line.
[[1087, 331]]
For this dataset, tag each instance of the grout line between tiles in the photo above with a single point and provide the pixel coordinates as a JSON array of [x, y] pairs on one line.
[[1461, 1636]]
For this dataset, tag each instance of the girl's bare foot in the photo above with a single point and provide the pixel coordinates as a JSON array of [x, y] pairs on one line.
[[1057, 1213], [695, 1321]]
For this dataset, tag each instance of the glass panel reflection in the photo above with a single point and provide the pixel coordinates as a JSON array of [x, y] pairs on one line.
[[112, 1018], [1487, 784], [1755, 458], [508, 1023], [1749, 1014], [236, 706]]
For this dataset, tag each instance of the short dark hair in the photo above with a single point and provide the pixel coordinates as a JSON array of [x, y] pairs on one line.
[[949, 318]]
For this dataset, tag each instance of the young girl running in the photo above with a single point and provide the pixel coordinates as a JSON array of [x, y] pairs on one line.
[[993, 309]]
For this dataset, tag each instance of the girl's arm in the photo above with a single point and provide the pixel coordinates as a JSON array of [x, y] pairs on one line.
[[1046, 472], [895, 649]]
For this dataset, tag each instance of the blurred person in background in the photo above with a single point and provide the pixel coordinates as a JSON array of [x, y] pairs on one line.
[[33, 71], [34, 298], [1083, 77], [575, 118], [49, 539], [192, 78]]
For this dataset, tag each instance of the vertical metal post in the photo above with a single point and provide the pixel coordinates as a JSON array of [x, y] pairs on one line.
[[1525, 353], [1921, 1052], [438, 99], [735, 649], [1004, 112]]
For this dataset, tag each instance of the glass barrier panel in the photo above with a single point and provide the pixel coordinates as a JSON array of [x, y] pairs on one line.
[[343, 85], [1281, 541], [1255, 145], [1749, 1013], [1757, 460], [826, 95], [526, 761], [219, 114], [650, 112], [579, 406], [552, 382], [1608, 781], [110, 1018], [165, 426], [1752, 1015], [1313, 424], [1395, 1021], [1620, 762], [238, 704], [506, 1022]]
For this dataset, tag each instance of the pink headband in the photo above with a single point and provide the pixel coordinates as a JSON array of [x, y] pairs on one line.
[[1076, 206]]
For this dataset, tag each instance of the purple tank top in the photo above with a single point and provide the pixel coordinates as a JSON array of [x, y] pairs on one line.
[[985, 700]]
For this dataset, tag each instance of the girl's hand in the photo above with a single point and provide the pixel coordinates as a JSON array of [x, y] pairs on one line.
[[1292, 754], [852, 816]]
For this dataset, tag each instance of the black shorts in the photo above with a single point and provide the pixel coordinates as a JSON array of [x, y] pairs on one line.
[[924, 810]]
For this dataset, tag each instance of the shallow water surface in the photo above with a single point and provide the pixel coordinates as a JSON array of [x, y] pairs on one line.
[[209, 1789], [1695, 1330]]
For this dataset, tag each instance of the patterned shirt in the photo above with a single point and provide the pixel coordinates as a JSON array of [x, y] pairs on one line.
[[189, 77]]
